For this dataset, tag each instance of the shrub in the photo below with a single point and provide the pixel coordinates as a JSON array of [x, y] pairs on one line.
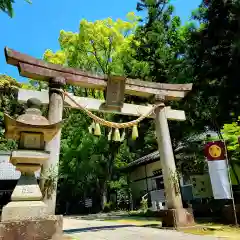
[[144, 204], [148, 213], [109, 206]]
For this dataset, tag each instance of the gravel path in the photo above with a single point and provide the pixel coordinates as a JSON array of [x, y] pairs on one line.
[[102, 230]]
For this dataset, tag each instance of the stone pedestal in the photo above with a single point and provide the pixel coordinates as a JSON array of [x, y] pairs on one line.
[[26, 217], [49, 228], [178, 218], [24, 210], [27, 189], [26, 201]]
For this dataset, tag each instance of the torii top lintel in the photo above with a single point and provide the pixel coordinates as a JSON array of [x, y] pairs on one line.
[[40, 70]]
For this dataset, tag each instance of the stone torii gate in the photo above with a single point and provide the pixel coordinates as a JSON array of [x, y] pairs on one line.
[[57, 76]]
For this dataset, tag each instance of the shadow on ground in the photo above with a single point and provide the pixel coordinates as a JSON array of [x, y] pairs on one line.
[[96, 229], [101, 216], [110, 217]]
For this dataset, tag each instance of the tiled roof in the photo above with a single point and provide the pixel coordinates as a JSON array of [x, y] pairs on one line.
[[155, 156], [152, 157], [7, 170]]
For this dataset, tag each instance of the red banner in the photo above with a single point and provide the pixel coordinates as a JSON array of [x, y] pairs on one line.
[[215, 151]]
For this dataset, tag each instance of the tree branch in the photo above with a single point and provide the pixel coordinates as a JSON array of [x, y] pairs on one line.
[[96, 56], [109, 54]]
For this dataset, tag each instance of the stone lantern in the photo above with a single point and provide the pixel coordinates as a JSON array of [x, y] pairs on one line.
[[32, 131]]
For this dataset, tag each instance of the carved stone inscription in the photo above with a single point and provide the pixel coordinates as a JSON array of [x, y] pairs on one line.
[[27, 190], [31, 140], [115, 92]]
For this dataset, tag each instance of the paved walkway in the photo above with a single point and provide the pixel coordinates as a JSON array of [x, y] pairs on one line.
[[102, 230]]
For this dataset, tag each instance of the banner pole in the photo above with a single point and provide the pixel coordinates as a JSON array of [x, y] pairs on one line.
[[230, 182]]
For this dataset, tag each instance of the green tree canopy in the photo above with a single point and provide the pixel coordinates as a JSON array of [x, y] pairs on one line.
[[213, 53], [98, 47], [162, 42], [9, 105]]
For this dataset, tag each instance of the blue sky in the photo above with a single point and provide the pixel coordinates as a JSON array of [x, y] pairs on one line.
[[36, 27]]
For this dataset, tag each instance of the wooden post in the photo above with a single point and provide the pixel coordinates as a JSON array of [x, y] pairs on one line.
[[176, 215], [55, 112]]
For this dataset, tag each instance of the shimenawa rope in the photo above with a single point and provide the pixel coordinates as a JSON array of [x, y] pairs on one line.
[[108, 123]]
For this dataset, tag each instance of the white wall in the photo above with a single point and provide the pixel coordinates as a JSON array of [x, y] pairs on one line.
[[7, 170], [143, 185]]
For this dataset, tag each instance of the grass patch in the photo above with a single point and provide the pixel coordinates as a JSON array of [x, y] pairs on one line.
[[153, 219], [145, 213], [69, 237], [212, 229], [138, 221], [217, 230]]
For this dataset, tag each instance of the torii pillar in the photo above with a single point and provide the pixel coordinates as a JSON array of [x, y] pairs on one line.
[[176, 215], [55, 111]]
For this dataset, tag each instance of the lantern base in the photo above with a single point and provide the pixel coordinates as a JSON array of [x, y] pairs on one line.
[[27, 189], [36, 157], [24, 210], [41, 229]]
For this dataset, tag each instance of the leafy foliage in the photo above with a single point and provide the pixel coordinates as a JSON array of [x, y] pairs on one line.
[[88, 163], [231, 133], [98, 47], [162, 42], [9, 105], [214, 56], [6, 6]]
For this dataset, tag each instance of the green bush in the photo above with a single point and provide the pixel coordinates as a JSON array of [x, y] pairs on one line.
[[147, 213], [144, 205], [108, 207]]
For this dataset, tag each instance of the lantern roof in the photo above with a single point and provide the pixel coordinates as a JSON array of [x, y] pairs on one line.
[[33, 116], [31, 121]]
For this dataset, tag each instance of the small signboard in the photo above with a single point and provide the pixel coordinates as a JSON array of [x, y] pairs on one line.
[[201, 186], [115, 93], [88, 203]]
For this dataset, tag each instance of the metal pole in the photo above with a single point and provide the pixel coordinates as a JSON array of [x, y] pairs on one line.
[[230, 182], [146, 178]]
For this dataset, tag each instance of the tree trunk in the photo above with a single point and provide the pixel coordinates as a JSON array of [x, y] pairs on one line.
[[104, 195]]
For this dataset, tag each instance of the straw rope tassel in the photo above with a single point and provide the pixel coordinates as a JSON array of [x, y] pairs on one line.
[[110, 135], [97, 130], [116, 136], [123, 136], [134, 132], [91, 127]]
